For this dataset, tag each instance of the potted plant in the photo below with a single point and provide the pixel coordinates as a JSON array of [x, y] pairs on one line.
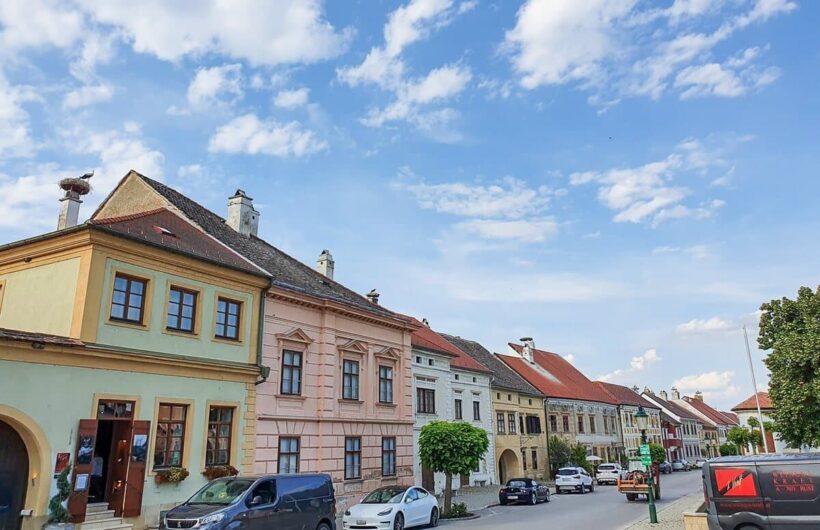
[[58, 516], [171, 475], [212, 472]]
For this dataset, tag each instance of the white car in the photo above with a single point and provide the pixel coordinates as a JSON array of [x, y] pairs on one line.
[[609, 473], [573, 479], [393, 508]]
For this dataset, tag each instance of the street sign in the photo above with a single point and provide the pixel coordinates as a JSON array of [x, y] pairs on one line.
[[646, 460], [644, 450]]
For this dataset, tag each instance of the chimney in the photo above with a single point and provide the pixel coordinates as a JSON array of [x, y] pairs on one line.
[[636, 389], [664, 395], [699, 395], [325, 264], [675, 393], [425, 322], [529, 348], [646, 390], [74, 188], [241, 215], [373, 296]]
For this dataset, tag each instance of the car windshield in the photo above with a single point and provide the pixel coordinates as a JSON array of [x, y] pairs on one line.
[[606, 467], [388, 495], [568, 471], [516, 484], [222, 492]]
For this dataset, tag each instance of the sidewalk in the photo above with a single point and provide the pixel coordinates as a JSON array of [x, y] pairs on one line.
[[476, 498], [671, 516]]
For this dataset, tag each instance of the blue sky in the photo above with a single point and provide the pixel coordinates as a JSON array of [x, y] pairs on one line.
[[624, 181]]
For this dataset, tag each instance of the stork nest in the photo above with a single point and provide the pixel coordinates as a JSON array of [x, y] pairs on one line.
[[77, 185]]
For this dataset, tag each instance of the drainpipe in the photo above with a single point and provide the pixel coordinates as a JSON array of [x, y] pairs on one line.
[[547, 430], [264, 371]]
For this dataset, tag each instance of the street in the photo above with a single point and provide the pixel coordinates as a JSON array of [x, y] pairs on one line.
[[603, 509]]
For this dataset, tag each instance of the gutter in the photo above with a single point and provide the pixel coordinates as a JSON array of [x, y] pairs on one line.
[[264, 371]]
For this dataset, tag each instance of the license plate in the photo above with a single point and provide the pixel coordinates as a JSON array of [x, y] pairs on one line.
[[360, 522], [512, 497]]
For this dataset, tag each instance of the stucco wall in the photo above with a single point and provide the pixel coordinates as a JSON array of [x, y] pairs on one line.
[[506, 402]]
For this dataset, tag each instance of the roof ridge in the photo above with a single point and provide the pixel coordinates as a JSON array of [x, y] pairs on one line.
[[126, 217]]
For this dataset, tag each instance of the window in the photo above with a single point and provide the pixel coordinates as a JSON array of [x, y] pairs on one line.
[[474, 379], [425, 401], [291, 372], [353, 458], [227, 319], [385, 384], [509, 397], [288, 455], [498, 395], [181, 310], [524, 458], [418, 359], [456, 377], [511, 422], [553, 423], [170, 440], [128, 299], [265, 492], [220, 428], [533, 425], [499, 419], [535, 459], [476, 411], [388, 457], [565, 423], [521, 424], [530, 401], [580, 424], [458, 412], [350, 380], [429, 362], [592, 424]]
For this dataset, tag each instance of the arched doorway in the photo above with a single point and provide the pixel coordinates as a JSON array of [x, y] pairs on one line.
[[14, 468], [508, 466]]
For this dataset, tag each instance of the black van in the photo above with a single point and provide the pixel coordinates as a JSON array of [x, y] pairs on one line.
[[763, 491], [289, 502]]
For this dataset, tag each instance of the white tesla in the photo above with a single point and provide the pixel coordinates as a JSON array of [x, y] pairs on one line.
[[393, 508]]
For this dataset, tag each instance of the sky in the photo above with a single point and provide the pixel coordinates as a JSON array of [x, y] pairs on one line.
[[624, 181]]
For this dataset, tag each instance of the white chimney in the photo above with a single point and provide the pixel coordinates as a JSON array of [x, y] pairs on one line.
[[664, 395], [74, 188], [373, 296], [675, 393], [242, 217], [325, 264], [699, 395], [528, 349]]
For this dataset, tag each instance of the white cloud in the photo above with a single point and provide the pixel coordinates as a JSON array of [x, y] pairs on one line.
[[215, 85], [248, 134], [713, 385], [570, 358], [38, 23], [694, 251], [637, 364], [97, 48], [291, 99], [261, 32], [711, 325], [15, 125], [88, 95], [29, 202], [190, 170], [526, 231]]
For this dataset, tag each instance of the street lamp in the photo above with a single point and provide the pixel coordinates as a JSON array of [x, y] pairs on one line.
[[642, 419]]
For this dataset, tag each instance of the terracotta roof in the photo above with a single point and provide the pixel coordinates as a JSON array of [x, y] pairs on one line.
[[674, 408], [503, 376], [708, 411], [555, 377], [427, 339], [623, 395], [166, 229], [732, 416], [285, 271], [29, 336], [750, 404]]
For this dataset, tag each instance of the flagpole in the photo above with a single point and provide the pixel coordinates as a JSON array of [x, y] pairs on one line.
[[754, 384]]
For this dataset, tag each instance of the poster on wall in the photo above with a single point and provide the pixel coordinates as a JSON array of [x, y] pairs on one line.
[[139, 449], [61, 462], [86, 450], [81, 483]]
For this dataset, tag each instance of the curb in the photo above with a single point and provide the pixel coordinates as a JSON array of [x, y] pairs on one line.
[[445, 522]]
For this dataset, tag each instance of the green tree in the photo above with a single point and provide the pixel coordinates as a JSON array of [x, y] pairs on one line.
[[560, 453], [790, 330], [657, 452], [579, 458], [728, 449], [57, 512], [738, 437], [452, 448]]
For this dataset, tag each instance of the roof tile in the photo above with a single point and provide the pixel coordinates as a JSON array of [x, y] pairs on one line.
[[623, 395], [427, 339], [751, 404]]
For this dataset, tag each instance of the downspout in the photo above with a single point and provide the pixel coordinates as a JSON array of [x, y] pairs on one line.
[[264, 371], [547, 430]]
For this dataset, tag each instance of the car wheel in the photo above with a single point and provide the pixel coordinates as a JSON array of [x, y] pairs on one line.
[[583, 489], [548, 497], [591, 487], [502, 503], [433, 518], [533, 499], [398, 522], [323, 526]]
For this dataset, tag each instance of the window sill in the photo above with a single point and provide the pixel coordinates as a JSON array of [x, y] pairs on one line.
[[350, 401], [223, 340], [291, 397], [354, 481], [386, 405], [126, 324], [181, 333]]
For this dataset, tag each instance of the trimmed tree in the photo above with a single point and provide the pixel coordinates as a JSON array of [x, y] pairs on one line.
[[57, 512], [579, 458], [738, 436], [657, 452], [560, 453], [790, 330], [452, 448], [728, 449]]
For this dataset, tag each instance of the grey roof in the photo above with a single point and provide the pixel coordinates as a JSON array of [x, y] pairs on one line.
[[286, 272], [503, 376]]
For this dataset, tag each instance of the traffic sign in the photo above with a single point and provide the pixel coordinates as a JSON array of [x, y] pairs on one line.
[[646, 460], [644, 450]]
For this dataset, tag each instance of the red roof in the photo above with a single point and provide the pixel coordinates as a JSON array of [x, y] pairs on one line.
[[625, 396], [708, 411], [555, 377], [427, 339], [674, 408], [163, 228], [732, 416], [750, 404]]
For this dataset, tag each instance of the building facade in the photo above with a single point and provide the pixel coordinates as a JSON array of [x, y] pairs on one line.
[[688, 427], [129, 348], [629, 401], [519, 418], [715, 424]]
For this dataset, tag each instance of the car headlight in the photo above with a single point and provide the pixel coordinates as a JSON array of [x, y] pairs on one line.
[[210, 519], [347, 512], [385, 512]]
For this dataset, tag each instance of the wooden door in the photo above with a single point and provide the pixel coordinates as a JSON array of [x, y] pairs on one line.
[[135, 476], [83, 457], [118, 465], [13, 477]]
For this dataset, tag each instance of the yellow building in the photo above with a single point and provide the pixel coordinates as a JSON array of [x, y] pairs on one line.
[[518, 413]]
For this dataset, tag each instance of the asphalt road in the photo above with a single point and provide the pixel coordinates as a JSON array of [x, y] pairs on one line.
[[603, 509]]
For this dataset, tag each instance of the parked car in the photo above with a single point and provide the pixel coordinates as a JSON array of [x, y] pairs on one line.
[[523, 490], [699, 463], [680, 465], [393, 507], [609, 473], [272, 501], [665, 467], [762, 491], [573, 479]]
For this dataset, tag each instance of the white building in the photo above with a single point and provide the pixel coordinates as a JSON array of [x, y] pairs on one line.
[[690, 426], [450, 385], [629, 402]]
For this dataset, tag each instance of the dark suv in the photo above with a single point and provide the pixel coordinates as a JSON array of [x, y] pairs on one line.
[[763, 491], [303, 502]]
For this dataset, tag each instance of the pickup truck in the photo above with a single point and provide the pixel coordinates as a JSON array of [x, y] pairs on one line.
[[609, 474]]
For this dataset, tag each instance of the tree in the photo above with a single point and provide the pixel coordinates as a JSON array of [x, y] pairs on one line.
[[579, 458], [738, 437], [560, 452], [657, 452], [790, 329], [452, 448], [728, 449], [57, 512]]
